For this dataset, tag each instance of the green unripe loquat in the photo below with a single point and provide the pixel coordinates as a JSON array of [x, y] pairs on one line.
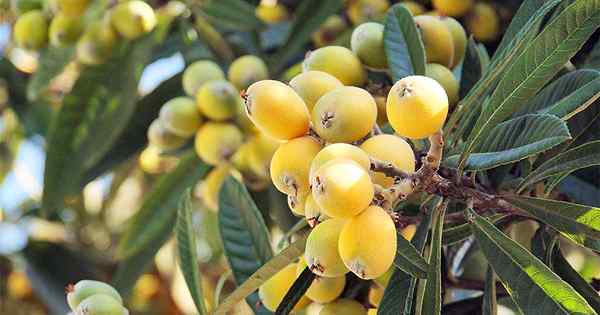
[[180, 116], [86, 288], [483, 22], [446, 79], [218, 100], [95, 46], [337, 151], [73, 7], [338, 61], [133, 19], [291, 163], [367, 44], [31, 30], [345, 114], [417, 107], [246, 70], [321, 252], [198, 73], [216, 142], [342, 188], [367, 243], [322, 289], [343, 306], [438, 41], [361, 11], [459, 38], [100, 304], [271, 293], [455, 8], [311, 85], [392, 149], [64, 30], [277, 110], [160, 137]]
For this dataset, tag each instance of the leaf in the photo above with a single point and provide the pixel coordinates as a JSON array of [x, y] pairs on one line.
[[538, 63], [133, 138], [403, 44], [515, 140], [433, 286], [567, 95], [565, 163], [309, 16], [489, 305], [187, 251], [264, 273], [409, 260], [542, 244], [577, 222], [398, 297], [531, 284], [158, 212], [296, 292], [51, 62], [472, 68], [593, 59], [459, 233], [244, 232], [90, 119], [235, 14], [563, 269]]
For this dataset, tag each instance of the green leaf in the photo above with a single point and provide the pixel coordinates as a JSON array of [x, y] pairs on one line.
[[542, 244], [134, 138], [309, 16], [432, 304], [296, 292], [489, 305], [264, 273], [531, 284], [461, 232], [515, 140], [565, 163], [409, 260], [472, 68], [158, 212], [235, 14], [403, 44], [187, 251], [538, 63], [90, 119], [244, 233], [570, 94], [577, 222], [398, 297], [593, 59], [51, 62], [563, 269]]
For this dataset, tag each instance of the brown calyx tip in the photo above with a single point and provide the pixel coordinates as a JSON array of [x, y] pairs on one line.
[[312, 222], [316, 267], [70, 288], [405, 91], [327, 119]]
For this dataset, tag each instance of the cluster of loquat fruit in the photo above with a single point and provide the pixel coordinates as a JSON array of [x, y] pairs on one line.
[[89, 297], [65, 23], [328, 125]]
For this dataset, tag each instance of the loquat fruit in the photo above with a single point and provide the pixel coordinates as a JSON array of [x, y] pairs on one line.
[[311, 85], [438, 41], [86, 288], [73, 7], [218, 100], [95, 46], [361, 11], [100, 304], [133, 19], [446, 79], [322, 289], [459, 38], [216, 142], [454, 8], [483, 22], [198, 73], [31, 30], [180, 116], [321, 252], [340, 150], [367, 44], [271, 293], [290, 165], [343, 306], [392, 149], [338, 61], [160, 137], [246, 70], [64, 30]]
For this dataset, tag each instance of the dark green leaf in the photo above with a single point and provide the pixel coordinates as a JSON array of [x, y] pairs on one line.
[[593, 59], [403, 44], [538, 63], [489, 305], [409, 260], [51, 62], [515, 140], [531, 284], [562, 268], [542, 244], [235, 14], [158, 212], [432, 299], [296, 292], [187, 251], [565, 163], [309, 16], [459, 233], [472, 68]]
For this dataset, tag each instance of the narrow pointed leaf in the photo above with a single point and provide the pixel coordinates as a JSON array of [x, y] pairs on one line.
[[296, 292], [459, 233], [403, 44], [158, 212], [472, 68], [235, 14], [489, 305], [187, 252], [565, 163], [264, 273], [432, 300], [531, 284], [409, 260], [538, 63], [51, 62], [562, 268], [593, 59], [515, 140]]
